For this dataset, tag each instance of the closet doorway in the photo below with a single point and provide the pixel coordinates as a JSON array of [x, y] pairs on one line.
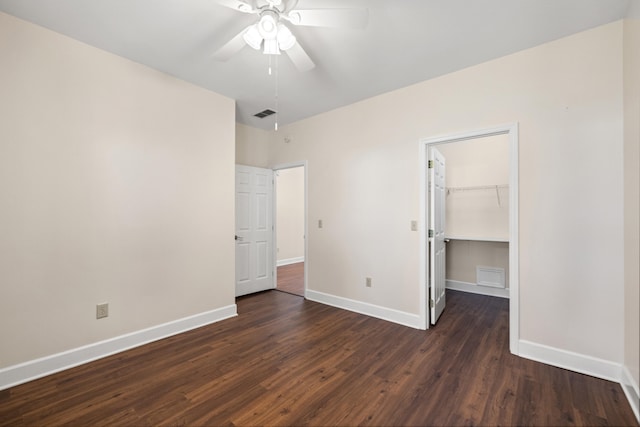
[[290, 228], [479, 221]]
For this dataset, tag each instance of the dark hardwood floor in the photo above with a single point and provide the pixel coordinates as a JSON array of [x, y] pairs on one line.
[[288, 361], [291, 278]]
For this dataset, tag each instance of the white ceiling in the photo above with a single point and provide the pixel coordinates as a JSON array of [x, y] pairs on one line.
[[405, 42]]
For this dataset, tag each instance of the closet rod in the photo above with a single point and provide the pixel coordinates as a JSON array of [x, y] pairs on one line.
[[480, 187]]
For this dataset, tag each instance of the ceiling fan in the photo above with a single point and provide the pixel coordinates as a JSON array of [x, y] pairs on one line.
[[271, 34]]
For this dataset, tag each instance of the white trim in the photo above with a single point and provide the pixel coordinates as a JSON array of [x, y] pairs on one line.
[[384, 313], [630, 388], [514, 284], [289, 261], [587, 365], [476, 289], [514, 239], [38, 368], [303, 164], [577, 362], [423, 220]]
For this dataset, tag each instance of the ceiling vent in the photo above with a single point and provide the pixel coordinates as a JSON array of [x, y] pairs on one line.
[[265, 113]]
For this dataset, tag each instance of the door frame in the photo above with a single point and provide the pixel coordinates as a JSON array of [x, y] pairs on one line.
[[511, 130], [276, 168]]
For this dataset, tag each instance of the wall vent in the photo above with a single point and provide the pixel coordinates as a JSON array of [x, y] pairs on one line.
[[264, 113], [490, 276]]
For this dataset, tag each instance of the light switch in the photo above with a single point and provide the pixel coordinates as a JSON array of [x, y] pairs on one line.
[[319, 223], [414, 225]]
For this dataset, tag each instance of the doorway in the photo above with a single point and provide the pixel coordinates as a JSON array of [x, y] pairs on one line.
[[290, 228], [509, 192]]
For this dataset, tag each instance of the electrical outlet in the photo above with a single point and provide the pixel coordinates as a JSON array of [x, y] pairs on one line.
[[319, 223], [102, 310], [368, 282], [414, 225]]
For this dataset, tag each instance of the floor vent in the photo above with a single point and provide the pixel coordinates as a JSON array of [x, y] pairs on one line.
[[490, 276], [265, 113]]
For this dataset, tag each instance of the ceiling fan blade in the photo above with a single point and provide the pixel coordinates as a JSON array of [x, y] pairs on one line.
[[238, 5], [300, 58], [231, 47], [291, 4], [336, 18]]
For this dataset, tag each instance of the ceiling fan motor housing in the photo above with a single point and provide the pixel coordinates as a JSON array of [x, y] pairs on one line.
[[268, 25]]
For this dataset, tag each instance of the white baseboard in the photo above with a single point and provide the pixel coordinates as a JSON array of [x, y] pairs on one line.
[[577, 362], [38, 368], [288, 261], [476, 289], [583, 364], [384, 313], [630, 388]]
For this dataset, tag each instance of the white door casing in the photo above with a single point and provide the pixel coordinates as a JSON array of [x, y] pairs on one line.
[[276, 168], [437, 248], [254, 230], [510, 129]]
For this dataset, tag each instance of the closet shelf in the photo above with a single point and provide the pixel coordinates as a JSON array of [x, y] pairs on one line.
[[478, 187], [477, 239]]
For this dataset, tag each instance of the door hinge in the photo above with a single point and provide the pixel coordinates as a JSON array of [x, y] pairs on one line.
[[430, 164], [430, 303], [430, 233]]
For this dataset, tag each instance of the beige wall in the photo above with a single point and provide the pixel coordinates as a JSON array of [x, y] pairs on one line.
[[252, 146], [463, 256], [632, 192], [473, 163], [290, 213], [114, 184], [363, 182]]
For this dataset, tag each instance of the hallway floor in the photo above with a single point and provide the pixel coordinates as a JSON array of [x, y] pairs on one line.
[[291, 278]]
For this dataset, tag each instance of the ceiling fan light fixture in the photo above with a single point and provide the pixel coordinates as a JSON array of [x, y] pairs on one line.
[[271, 47], [286, 39], [252, 37]]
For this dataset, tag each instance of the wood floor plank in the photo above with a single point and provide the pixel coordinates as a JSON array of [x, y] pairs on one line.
[[291, 278], [287, 361]]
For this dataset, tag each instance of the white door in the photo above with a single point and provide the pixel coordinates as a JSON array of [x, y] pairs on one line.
[[254, 230], [437, 253]]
